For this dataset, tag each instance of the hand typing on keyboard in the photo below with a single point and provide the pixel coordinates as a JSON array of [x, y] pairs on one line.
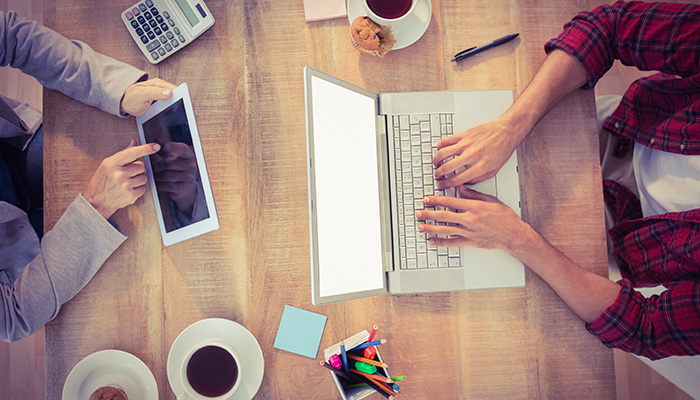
[[476, 154], [480, 220]]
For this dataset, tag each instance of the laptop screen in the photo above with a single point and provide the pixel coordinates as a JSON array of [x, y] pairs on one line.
[[347, 189]]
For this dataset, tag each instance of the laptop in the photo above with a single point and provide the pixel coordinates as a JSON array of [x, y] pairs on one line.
[[369, 166]]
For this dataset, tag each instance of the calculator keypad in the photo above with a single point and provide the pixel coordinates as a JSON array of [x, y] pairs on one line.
[[153, 28]]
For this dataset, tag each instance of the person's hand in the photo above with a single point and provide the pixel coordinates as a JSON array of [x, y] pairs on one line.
[[175, 170], [474, 155], [120, 179], [481, 221], [139, 96]]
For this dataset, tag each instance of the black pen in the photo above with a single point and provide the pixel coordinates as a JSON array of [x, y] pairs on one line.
[[475, 50]]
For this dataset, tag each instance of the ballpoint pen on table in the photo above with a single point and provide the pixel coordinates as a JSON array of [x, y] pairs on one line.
[[475, 50]]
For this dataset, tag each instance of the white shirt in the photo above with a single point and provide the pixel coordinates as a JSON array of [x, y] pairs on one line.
[[667, 182]]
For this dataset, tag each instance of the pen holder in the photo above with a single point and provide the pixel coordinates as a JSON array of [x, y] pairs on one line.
[[352, 341]]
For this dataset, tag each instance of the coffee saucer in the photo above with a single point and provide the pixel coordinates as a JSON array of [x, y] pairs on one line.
[[408, 30], [111, 368], [226, 331]]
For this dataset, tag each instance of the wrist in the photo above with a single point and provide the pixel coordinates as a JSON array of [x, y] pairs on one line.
[[105, 211], [526, 243], [519, 121]]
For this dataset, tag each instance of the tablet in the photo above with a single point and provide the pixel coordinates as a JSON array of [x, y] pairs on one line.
[[177, 173]]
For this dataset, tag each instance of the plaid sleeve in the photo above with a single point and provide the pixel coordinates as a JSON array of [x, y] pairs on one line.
[[655, 327], [650, 36]]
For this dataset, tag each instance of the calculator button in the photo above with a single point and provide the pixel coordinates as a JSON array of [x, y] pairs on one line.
[[153, 45], [166, 15], [171, 22], [142, 20], [163, 39], [175, 43], [159, 19], [139, 31], [146, 27], [144, 39], [154, 11], [182, 38], [157, 30], [135, 24], [155, 55], [177, 31], [142, 7], [169, 35], [135, 11], [153, 23], [147, 15], [149, 3], [164, 27], [168, 47], [161, 51], [151, 35], [129, 15]]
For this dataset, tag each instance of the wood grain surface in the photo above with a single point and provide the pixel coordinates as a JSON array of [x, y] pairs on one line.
[[245, 78]]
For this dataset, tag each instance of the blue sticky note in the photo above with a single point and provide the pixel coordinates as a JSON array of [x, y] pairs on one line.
[[300, 331]]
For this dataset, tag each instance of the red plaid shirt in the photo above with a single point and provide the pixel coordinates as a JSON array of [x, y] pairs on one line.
[[661, 112]]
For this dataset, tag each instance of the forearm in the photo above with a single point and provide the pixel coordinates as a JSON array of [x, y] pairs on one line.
[[586, 293], [559, 75], [39, 277], [71, 67]]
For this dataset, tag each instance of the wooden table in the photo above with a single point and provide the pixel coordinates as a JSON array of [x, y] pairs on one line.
[[245, 77]]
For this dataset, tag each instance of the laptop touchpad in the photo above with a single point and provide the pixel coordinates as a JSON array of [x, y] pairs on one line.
[[487, 187]]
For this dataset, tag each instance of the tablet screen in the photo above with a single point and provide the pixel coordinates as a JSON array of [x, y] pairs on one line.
[[175, 171]]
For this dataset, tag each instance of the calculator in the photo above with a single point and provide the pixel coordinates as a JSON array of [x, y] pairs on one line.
[[162, 27]]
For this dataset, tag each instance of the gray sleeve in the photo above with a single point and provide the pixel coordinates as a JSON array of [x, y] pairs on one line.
[[38, 278], [71, 67]]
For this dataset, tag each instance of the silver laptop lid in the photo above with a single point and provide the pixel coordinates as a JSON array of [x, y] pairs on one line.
[[345, 204]]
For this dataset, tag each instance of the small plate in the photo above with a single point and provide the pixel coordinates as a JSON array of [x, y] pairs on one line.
[[408, 30], [111, 368], [226, 331]]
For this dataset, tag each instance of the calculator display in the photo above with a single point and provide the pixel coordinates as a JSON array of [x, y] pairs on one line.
[[188, 11]]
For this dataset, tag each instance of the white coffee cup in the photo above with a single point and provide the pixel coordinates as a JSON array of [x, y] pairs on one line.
[[381, 5], [189, 391]]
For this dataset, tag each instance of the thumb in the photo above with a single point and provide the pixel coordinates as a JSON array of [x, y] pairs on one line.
[[131, 144], [153, 93], [474, 195]]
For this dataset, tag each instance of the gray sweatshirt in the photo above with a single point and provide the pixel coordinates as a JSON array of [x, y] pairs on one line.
[[37, 277]]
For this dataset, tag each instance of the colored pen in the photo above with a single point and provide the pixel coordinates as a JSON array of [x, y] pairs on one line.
[[334, 360], [476, 50], [361, 384], [371, 334], [368, 344], [388, 390], [372, 376], [338, 372], [376, 386], [368, 361], [344, 356], [376, 383], [370, 352]]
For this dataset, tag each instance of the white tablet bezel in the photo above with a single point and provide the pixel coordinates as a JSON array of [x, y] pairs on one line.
[[199, 227]]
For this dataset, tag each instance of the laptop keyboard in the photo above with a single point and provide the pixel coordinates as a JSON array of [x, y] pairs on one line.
[[415, 139]]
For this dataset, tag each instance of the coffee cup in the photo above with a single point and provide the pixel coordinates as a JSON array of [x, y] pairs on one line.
[[210, 371], [388, 12]]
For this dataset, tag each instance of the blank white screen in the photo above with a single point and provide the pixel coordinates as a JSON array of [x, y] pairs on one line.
[[347, 190]]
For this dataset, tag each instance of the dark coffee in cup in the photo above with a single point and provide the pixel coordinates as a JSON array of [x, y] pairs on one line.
[[389, 9], [212, 371]]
